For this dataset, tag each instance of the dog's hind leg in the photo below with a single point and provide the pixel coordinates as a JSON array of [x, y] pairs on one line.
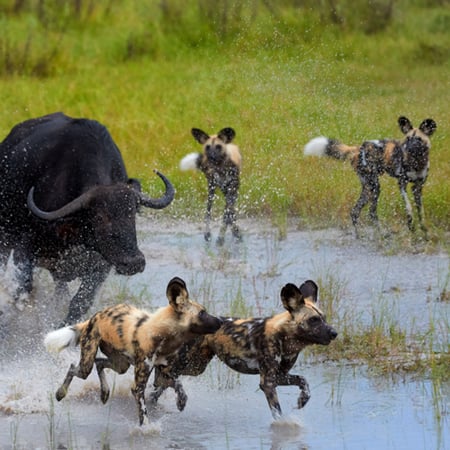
[[370, 191], [84, 368], [296, 380]]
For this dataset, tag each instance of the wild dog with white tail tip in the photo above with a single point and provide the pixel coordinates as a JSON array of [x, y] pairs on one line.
[[407, 160], [131, 336], [266, 346], [221, 164]]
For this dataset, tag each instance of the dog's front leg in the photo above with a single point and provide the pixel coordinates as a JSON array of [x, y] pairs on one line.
[[209, 203], [296, 380], [115, 362], [402, 183], [229, 216], [268, 385], [142, 371], [417, 192]]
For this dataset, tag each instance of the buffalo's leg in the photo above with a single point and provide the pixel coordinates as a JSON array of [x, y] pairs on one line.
[[84, 297]]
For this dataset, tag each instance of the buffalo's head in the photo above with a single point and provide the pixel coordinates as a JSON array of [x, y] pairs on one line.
[[108, 214]]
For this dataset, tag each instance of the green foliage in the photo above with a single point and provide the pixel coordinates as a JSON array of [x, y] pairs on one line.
[[279, 72]]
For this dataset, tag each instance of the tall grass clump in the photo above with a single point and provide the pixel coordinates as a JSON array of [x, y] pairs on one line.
[[279, 73]]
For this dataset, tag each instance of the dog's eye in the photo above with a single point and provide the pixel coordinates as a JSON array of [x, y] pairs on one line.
[[314, 320], [218, 147], [201, 314]]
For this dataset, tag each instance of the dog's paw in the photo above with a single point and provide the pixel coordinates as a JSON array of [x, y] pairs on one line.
[[181, 401], [60, 393], [303, 399], [104, 395]]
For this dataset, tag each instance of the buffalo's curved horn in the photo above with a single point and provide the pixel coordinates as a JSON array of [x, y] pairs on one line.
[[70, 208], [161, 202]]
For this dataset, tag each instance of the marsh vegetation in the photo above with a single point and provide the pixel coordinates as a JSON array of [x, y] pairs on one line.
[[279, 73]]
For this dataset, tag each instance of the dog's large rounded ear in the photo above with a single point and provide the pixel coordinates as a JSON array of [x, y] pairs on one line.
[[199, 135], [428, 126], [226, 135], [309, 290], [291, 297], [176, 292], [404, 124]]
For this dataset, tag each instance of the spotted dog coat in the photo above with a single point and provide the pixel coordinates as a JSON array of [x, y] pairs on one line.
[[127, 335], [265, 346], [407, 160], [221, 164]]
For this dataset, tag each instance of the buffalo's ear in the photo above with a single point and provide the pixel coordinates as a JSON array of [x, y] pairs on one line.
[[134, 184], [404, 124], [309, 290], [226, 135], [199, 135], [292, 298], [428, 126], [177, 293]]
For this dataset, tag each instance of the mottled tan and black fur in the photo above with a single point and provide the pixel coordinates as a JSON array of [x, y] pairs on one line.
[[407, 160], [220, 161], [265, 346], [131, 336]]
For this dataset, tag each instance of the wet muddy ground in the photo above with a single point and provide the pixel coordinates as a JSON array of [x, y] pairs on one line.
[[349, 408]]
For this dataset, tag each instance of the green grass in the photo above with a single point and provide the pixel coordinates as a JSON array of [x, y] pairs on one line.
[[279, 79]]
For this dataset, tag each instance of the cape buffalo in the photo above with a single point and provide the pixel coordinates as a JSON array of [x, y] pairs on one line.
[[67, 204]]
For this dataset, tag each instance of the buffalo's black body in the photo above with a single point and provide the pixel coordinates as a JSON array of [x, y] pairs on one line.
[[67, 204]]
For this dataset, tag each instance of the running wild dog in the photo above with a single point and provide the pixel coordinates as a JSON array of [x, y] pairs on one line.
[[127, 335], [407, 160], [265, 346], [220, 161]]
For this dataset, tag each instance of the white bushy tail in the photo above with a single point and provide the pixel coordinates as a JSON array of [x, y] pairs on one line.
[[316, 146], [58, 340], [189, 162]]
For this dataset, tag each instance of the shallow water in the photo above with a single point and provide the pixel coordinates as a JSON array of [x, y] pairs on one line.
[[349, 407]]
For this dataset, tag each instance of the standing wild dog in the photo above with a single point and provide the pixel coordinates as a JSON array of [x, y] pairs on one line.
[[221, 164], [407, 160], [265, 346], [127, 335]]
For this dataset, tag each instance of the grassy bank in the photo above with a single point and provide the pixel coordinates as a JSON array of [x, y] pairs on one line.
[[279, 76]]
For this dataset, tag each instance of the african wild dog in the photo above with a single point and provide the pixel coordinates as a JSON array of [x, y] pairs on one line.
[[265, 346], [127, 335], [406, 159], [221, 164]]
